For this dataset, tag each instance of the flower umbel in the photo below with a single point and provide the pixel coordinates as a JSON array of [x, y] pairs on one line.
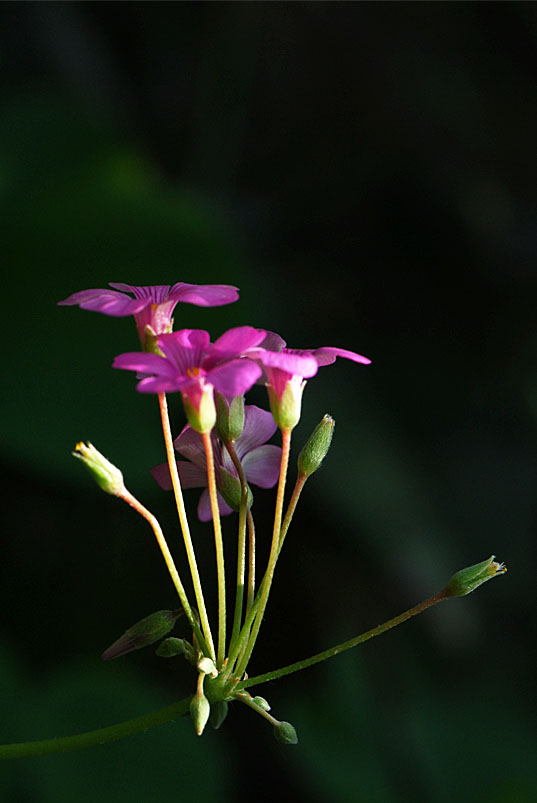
[[152, 306], [260, 461]]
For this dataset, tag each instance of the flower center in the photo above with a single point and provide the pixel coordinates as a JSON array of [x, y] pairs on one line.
[[194, 373]]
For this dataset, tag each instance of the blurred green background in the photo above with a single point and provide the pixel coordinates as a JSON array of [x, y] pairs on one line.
[[366, 174]]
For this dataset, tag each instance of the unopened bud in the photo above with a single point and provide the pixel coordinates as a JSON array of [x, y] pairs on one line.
[[142, 634], [107, 476], [317, 446], [218, 713], [200, 710], [469, 579], [207, 666], [229, 417], [285, 733], [173, 646], [261, 702], [231, 490]]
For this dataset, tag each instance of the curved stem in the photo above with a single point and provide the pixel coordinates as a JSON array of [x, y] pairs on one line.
[[131, 500], [346, 645], [219, 546], [185, 529], [267, 580], [100, 736]]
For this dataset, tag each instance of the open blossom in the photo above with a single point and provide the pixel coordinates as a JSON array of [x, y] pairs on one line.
[[286, 369], [260, 461], [195, 367], [151, 306]]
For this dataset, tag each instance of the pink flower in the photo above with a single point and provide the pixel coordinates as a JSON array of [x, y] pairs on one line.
[[260, 461], [286, 369], [151, 306], [194, 366]]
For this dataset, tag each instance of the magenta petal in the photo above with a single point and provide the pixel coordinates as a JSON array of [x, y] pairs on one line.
[[191, 476], [272, 342], [259, 427], [204, 295], [189, 444], [290, 362], [204, 507], [234, 378], [235, 341], [262, 465], [143, 362], [327, 355], [106, 301]]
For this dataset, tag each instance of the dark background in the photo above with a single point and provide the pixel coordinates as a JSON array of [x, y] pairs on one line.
[[365, 173]]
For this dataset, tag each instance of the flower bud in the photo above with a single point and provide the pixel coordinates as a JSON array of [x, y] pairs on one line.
[[469, 579], [230, 488], [200, 710], [172, 646], [285, 733], [229, 417], [261, 702], [317, 446], [218, 713], [207, 666], [107, 476], [142, 634]]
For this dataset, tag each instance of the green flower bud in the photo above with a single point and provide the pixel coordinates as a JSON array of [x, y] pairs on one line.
[[469, 579], [107, 476], [285, 733], [142, 634], [229, 417], [172, 646], [200, 710], [218, 713], [261, 702], [317, 446], [230, 488]]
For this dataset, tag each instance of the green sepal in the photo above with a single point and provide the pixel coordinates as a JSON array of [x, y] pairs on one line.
[[173, 646], [218, 714], [145, 632], [230, 488], [469, 579], [285, 733], [229, 417], [316, 447]]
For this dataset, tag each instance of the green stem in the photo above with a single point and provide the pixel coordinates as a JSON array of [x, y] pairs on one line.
[[131, 500], [241, 544], [100, 736], [207, 642], [219, 547], [297, 490], [267, 580], [346, 645], [251, 563]]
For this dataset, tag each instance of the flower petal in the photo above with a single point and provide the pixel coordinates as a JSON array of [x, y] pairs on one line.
[[234, 342], [204, 507], [189, 444], [292, 363], [262, 465], [327, 355], [144, 362], [106, 301], [234, 378], [191, 476], [204, 295], [259, 427]]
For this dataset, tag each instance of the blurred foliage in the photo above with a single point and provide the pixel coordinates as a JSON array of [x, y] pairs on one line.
[[365, 173]]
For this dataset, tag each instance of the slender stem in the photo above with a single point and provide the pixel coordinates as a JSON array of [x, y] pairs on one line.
[[251, 563], [219, 546], [241, 543], [185, 529], [297, 490], [247, 700], [100, 736], [346, 645], [267, 580], [127, 497]]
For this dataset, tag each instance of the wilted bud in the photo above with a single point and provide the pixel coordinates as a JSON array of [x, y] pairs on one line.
[[317, 446], [231, 490], [469, 579], [173, 646], [200, 710], [229, 417], [142, 634], [218, 713], [261, 702], [106, 475], [285, 733]]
